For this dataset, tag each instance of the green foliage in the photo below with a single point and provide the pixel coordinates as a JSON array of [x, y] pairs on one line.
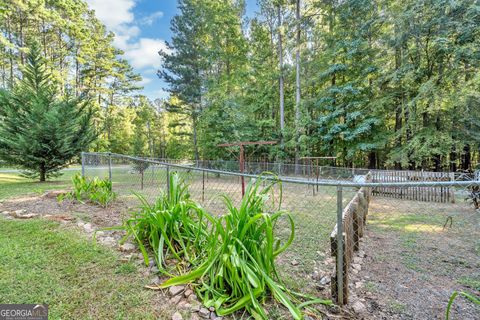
[[174, 227], [466, 295], [240, 268], [231, 258], [40, 130], [97, 191]]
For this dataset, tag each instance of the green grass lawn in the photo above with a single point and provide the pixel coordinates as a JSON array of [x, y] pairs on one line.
[[12, 184], [66, 271]]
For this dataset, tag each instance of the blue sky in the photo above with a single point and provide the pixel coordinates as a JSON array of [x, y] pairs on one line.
[[141, 28]]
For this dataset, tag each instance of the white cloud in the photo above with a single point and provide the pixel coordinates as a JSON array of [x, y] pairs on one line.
[[150, 19], [145, 81], [144, 53], [113, 13]]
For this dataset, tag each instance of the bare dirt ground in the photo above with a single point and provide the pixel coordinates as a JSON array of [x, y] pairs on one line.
[[413, 264], [67, 210]]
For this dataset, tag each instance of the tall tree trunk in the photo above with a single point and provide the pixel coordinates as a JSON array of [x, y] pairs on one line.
[[372, 160], [195, 142], [297, 94], [43, 173], [453, 159], [280, 62], [399, 106], [466, 157]]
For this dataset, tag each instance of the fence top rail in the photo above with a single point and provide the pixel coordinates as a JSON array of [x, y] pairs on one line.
[[289, 164], [324, 182]]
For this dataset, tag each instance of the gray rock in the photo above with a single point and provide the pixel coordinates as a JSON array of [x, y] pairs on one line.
[[156, 280], [185, 306], [325, 280], [213, 316], [204, 313], [177, 316], [316, 276], [187, 293], [195, 306], [192, 297], [359, 307], [357, 266], [109, 241], [154, 270], [175, 299], [295, 262], [212, 309], [357, 260], [126, 247], [194, 316], [358, 285], [175, 290], [5, 213]]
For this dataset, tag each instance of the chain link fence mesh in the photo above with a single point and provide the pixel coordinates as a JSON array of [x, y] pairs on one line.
[[409, 239]]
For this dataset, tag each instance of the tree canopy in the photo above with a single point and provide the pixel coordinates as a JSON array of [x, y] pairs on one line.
[[40, 131], [373, 83]]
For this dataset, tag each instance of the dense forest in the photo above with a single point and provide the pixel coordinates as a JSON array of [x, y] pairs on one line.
[[375, 83]]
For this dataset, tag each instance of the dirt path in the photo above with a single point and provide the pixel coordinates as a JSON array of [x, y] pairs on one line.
[[413, 264]]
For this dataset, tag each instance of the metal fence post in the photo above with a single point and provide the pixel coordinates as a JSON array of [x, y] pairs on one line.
[[340, 245], [110, 167], [83, 163], [168, 180]]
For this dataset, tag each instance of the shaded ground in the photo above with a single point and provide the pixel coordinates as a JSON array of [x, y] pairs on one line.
[[414, 264]]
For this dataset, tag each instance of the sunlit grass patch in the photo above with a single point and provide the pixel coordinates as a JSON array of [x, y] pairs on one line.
[[410, 223], [77, 279], [14, 185]]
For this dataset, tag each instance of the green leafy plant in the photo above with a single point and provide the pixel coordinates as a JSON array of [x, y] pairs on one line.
[[174, 227], [239, 271], [468, 296], [98, 191]]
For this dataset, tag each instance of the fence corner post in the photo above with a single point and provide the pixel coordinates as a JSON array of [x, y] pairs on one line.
[[340, 247], [82, 154], [110, 167]]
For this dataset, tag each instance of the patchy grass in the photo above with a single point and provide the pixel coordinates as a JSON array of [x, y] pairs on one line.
[[47, 264], [471, 282]]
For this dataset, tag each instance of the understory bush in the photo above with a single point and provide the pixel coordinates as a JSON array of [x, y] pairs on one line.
[[230, 259], [97, 191]]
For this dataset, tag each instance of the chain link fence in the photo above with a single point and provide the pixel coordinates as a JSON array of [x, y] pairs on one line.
[[387, 248]]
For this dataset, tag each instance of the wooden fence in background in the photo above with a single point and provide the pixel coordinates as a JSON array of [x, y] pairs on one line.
[[428, 194]]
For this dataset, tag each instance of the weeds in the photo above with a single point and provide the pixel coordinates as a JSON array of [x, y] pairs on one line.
[[98, 191]]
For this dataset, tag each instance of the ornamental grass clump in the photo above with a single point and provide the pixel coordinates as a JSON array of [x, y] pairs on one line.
[[239, 271], [174, 227]]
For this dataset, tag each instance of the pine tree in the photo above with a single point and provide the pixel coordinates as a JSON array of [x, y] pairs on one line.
[[41, 131]]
